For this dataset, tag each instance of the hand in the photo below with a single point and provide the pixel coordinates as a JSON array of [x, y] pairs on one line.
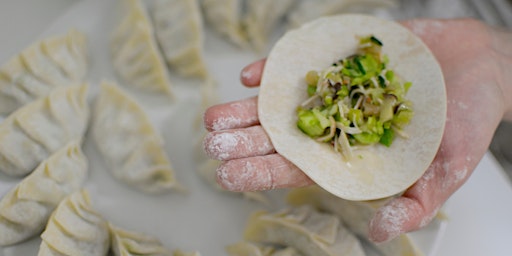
[[472, 57]]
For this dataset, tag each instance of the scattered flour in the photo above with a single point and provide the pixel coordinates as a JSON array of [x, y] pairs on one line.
[[219, 145], [392, 219], [223, 123]]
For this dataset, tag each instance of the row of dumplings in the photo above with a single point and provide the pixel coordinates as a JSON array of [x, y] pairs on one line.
[[43, 94], [46, 135], [128, 142], [144, 42], [153, 34], [249, 23]]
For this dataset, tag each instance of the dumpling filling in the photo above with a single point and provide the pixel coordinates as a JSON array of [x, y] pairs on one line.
[[358, 100]]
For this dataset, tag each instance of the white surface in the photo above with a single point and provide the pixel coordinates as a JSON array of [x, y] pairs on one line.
[[480, 212]]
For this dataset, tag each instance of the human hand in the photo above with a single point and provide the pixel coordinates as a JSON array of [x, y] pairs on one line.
[[471, 57]]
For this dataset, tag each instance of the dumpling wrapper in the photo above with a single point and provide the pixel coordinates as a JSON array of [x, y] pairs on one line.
[[376, 171], [125, 243]]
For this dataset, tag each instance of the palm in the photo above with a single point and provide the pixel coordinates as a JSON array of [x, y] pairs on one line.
[[474, 111], [475, 107]]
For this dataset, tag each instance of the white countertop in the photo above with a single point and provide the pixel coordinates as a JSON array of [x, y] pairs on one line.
[[480, 213]]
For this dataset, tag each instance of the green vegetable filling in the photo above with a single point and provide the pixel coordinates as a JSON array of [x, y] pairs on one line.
[[356, 101]]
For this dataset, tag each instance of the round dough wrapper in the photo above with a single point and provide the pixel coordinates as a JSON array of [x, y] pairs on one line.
[[374, 171]]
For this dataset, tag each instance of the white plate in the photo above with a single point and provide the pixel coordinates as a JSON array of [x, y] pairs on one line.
[[204, 219]]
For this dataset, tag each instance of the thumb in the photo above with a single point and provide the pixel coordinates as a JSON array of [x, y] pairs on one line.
[[399, 216]]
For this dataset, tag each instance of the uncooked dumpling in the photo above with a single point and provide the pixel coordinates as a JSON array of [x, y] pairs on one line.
[[32, 133], [25, 209], [226, 17], [179, 30], [75, 228], [262, 18], [135, 53], [131, 146], [303, 228], [45, 65], [246, 23], [128, 243]]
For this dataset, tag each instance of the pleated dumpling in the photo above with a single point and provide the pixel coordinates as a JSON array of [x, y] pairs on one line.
[[130, 145], [128, 243], [75, 228], [356, 215], [305, 229], [135, 54], [308, 10], [226, 18], [262, 18], [179, 30], [35, 131], [43, 66], [246, 23], [25, 209]]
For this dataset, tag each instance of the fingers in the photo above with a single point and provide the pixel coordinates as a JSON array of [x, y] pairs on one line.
[[260, 173], [238, 143], [251, 74], [232, 115], [397, 217]]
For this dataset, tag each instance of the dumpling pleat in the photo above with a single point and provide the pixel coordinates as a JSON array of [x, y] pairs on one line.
[[69, 53], [125, 243]]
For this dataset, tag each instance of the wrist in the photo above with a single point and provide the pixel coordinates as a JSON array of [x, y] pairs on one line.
[[502, 49]]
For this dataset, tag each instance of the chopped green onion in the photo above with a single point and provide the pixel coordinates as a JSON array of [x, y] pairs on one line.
[[309, 124], [387, 137], [367, 138]]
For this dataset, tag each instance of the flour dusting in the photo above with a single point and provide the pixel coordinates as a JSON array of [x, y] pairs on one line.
[[243, 176], [223, 123], [392, 219], [220, 145], [247, 74]]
